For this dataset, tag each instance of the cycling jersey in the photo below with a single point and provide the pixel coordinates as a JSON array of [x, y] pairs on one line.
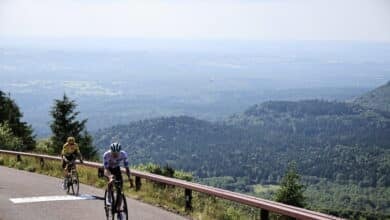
[[110, 162], [69, 149]]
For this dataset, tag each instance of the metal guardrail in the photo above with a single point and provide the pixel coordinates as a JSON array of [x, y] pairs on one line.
[[265, 206]]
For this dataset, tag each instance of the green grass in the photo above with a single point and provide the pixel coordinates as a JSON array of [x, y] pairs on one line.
[[171, 198], [265, 189]]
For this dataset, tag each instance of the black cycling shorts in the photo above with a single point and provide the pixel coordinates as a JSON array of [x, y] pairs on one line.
[[117, 173], [71, 157]]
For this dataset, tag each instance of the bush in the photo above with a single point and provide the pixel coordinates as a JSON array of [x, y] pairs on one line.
[[30, 168], [19, 165]]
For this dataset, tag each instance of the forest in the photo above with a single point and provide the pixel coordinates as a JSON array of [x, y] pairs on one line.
[[338, 147], [338, 141]]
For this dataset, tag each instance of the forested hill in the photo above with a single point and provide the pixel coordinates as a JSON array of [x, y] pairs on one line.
[[378, 98], [339, 141], [316, 123]]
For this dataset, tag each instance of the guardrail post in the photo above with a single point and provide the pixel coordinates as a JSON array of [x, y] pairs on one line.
[[41, 162], [18, 158], [188, 197], [264, 214], [137, 183]]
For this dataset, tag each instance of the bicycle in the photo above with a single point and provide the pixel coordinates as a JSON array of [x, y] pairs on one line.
[[115, 204], [72, 179]]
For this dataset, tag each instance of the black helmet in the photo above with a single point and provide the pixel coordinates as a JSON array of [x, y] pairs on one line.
[[115, 147]]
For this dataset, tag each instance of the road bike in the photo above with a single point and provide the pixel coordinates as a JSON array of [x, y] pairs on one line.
[[115, 203], [72, 179]]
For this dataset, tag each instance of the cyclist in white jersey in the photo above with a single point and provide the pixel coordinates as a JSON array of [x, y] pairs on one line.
[[112, 160]]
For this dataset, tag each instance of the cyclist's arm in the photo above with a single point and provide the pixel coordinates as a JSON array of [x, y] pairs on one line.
[[79, 153], [107, 172], [128, 176], [126, 164], [63, 153], [127, 172]]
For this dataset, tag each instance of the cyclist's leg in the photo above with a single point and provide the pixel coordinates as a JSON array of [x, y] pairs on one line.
[[118, 177], [65, 172], [110, 185], [64, 168]]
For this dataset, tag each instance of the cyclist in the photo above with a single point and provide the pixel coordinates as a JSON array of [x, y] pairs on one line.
[[111, 161], [70, 152]]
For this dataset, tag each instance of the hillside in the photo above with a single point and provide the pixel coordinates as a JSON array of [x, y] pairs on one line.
[[378, 98], [338, 141]]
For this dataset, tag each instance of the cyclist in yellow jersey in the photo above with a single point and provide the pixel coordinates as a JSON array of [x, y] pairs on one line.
[[70, 152]]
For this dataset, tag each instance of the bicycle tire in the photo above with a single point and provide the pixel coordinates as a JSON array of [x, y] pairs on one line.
[[122, 209], [76, 184], [69, 185], [124, 204], [108, 208], [114, 201]]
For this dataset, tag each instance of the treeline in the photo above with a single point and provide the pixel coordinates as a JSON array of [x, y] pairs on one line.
[[342, 142], [349, 200], [378, 98]]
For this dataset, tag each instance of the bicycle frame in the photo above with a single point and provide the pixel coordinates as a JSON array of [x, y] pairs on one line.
[[72, 178], [117, 199]]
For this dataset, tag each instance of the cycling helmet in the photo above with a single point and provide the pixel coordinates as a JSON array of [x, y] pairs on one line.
[[115, 147], [70, 140]]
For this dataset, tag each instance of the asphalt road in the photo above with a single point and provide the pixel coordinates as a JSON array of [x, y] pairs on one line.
[[20, 184]]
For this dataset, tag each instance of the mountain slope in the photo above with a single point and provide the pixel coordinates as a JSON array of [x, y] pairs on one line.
[[378, 98], [338, 141]]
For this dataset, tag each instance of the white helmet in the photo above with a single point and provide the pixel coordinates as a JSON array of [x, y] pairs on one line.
[[115, 147]]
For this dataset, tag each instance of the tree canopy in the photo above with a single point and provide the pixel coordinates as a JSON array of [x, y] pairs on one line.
[[10, 120], [291, 190], [66, 124]]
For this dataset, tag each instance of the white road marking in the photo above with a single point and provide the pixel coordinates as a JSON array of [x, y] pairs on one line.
[[51, 198]]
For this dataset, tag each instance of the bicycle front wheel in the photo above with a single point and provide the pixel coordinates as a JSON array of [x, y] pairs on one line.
[[69, 185], [75, 184], [122, 213], [108, 204]]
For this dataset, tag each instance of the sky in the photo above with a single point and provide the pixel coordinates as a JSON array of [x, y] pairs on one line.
[[345, 20]]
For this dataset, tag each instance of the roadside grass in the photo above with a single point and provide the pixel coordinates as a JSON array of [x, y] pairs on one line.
[[204, 207]]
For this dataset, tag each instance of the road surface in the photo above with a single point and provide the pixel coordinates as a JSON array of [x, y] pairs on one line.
[[16, 184]]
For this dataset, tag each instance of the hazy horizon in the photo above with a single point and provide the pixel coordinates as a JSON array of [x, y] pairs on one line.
[[209, 59], [349, 20]]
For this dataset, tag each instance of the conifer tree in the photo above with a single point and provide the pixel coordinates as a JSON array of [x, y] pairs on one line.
[[8, 140], [10, 116], [65, 124], [291, 190]]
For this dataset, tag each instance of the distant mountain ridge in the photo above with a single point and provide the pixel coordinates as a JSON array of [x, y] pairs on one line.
[[378, 98]]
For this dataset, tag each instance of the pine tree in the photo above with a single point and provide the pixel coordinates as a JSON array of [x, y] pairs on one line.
[[11, 115], [8, 140], [65, 124], [291, 191]]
